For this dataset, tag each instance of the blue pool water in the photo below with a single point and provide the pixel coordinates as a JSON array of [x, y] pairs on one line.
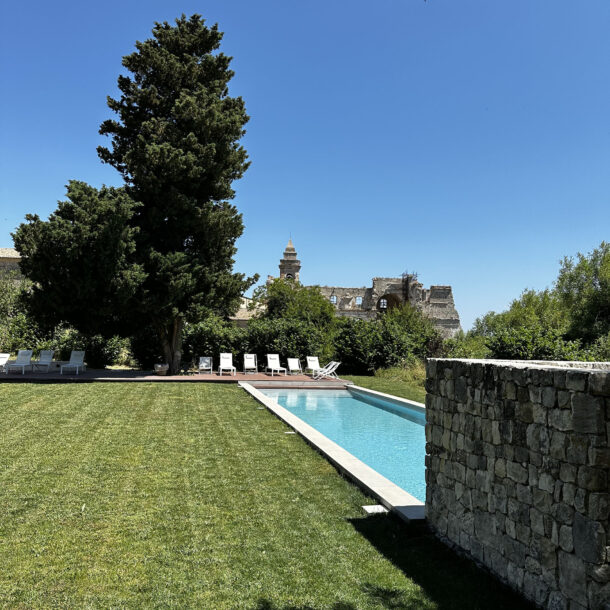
[[386, 436]]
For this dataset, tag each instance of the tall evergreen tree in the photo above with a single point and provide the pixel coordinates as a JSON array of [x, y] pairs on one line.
[[175, 141]]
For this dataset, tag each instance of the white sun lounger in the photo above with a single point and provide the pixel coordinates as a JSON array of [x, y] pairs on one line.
[[294, 366], [226, 364], [44, 360], [313, 365], [77, 361], [3, 360], [250, 364], [273, 364], [23, 361], [328, 372], [206, 364]]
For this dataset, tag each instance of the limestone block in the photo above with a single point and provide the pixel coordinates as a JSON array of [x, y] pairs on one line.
[[514, 575], [561, 419], [576, 380], [485, 528], [559, 443], [557, 601], [599, 507], [539, 414], [524, 493], [568, 493], [534, 588], [559, 379], [565, 538], [567, 473], [535, 394], [593, 479], [562, 513], [516, 472], [587, 413], [546, 482], [599, 383], [510, 390], [500, 468], [589, 539], [578, 447], [572, 578], [549, 397], [537, 521], [564, 398], [600, 457], [532, 472]]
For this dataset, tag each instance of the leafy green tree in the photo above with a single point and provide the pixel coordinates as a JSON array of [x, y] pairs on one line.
[[79, 261], [583, 286], [175, 141], [289, 299]]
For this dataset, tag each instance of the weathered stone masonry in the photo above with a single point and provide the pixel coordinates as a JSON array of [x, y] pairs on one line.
[[517, 473]]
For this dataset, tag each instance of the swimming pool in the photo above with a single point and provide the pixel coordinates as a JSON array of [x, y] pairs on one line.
[[387, 435]]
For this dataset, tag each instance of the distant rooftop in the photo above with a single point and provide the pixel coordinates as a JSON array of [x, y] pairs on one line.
[[9, 253]]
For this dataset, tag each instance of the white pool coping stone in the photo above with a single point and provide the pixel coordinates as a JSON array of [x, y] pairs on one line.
[[389, 494]]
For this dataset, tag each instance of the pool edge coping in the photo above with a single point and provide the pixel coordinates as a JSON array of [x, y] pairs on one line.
[[389, 494], [396, 399]]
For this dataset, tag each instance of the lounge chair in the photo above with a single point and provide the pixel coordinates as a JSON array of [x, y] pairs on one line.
[[250, 364], [206, 364], [226, 364], [273, 364], [24, 361], [313, 365], [44, 360], [294, 366], [328, 372], [3, 360], [77, 361]]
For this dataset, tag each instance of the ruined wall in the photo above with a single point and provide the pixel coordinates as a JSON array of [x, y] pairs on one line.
[[9, 260], [435, 302], [517, 473]]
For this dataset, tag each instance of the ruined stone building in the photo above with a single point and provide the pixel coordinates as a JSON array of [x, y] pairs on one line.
[[365, 303], [9, 259]]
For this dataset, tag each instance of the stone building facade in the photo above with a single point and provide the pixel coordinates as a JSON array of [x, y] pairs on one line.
[[518, 473], [365, 303], [9, 259]]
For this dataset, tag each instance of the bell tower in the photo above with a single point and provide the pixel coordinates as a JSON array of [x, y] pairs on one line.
[[290, 265]]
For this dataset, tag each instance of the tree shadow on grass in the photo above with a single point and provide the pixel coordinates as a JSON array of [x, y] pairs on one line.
[[448, 580]]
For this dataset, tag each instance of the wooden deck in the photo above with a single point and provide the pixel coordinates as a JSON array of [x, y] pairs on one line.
[[128, 375]]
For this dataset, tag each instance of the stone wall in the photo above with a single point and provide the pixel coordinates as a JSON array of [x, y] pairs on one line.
[[517, 473]]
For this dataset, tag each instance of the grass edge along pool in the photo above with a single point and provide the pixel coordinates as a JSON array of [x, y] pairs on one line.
[[390, 494]]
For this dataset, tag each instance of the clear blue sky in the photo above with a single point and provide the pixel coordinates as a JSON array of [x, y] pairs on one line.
[[468, 141]]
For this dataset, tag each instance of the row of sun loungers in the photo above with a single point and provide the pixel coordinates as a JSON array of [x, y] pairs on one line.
[[206, 364], [24, 362]]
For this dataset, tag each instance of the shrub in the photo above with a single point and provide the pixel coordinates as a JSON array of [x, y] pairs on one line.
[[396, 338], [466, 345], [289, 338], [99, 351], [211, 337], [532, 343], [356, 344]]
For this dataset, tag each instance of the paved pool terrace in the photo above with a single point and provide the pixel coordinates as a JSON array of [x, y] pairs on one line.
[[128, 375]]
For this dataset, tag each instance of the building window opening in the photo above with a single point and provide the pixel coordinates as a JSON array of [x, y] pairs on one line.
[[333, 299], [359, 301], [383, 303]]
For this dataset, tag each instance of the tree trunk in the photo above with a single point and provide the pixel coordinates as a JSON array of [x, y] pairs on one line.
[[171, 340]]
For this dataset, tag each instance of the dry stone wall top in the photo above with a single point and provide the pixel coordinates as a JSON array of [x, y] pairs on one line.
[[517, 473]]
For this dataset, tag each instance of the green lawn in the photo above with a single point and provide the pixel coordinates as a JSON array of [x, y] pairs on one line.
[[189, 495], [411, 391]]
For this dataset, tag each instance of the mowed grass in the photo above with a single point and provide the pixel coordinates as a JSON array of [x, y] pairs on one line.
[[409, 390], [189, 495]]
